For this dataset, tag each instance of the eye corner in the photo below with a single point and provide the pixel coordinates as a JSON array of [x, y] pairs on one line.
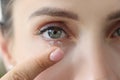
[[114, 31]]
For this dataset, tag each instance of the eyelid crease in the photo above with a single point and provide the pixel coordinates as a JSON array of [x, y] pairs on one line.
[[57, 24]]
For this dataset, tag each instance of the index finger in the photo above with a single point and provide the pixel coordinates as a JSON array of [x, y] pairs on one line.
[[29, 69]]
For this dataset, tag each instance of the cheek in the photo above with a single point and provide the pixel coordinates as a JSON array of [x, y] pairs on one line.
[[27, 48]]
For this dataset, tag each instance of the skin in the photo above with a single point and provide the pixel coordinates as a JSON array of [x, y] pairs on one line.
[[90, 54]]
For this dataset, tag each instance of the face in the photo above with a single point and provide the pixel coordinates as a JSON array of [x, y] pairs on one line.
[[88, 31]]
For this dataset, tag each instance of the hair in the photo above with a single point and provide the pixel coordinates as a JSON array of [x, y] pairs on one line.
[[6, 24]]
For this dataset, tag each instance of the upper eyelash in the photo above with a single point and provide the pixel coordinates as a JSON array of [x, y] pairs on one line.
[[48, 28], [51, 25]]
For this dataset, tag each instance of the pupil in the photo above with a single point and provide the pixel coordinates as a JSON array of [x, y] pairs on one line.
[[54, 33]]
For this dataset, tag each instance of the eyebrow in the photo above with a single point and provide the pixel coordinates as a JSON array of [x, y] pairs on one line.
[[55, 12], [114, 15]]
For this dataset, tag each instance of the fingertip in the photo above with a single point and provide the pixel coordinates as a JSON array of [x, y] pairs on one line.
[[56, 55]]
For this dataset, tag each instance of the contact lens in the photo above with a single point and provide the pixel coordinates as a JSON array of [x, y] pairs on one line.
[[55, 43]]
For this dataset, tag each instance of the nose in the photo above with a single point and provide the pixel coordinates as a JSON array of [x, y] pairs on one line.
[[95, 65]]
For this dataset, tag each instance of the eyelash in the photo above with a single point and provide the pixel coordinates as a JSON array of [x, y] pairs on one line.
[[54, 26]]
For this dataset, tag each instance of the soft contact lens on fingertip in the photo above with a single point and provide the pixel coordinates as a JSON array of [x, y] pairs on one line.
[[58, 44], [55, 43]]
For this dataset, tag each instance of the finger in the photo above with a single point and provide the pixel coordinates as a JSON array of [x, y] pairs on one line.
[[29, 69]]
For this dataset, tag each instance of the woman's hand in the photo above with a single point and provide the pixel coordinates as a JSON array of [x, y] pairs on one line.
[[29, 69]]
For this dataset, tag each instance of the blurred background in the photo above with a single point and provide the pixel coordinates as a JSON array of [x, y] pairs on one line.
[[2, 67]]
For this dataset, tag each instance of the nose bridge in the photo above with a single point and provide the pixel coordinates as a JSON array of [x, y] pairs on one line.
[[95, 55], [95, 66]]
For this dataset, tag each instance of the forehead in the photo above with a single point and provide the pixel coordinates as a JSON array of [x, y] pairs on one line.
[[84, 8], [78, 4]]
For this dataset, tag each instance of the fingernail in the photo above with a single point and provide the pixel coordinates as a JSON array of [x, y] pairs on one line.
[[57, 55]]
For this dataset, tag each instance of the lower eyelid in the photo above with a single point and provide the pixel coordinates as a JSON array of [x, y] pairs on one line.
[[61, 39]]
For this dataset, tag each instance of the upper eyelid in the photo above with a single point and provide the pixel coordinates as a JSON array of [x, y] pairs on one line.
[[47, 28], [38, 23], [63, 26], [52, 24]]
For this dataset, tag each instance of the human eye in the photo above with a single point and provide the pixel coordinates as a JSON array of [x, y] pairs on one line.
[[115, 34], [53, 31]]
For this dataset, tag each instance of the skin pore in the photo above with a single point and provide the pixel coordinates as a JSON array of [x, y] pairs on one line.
[[87, 31]]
